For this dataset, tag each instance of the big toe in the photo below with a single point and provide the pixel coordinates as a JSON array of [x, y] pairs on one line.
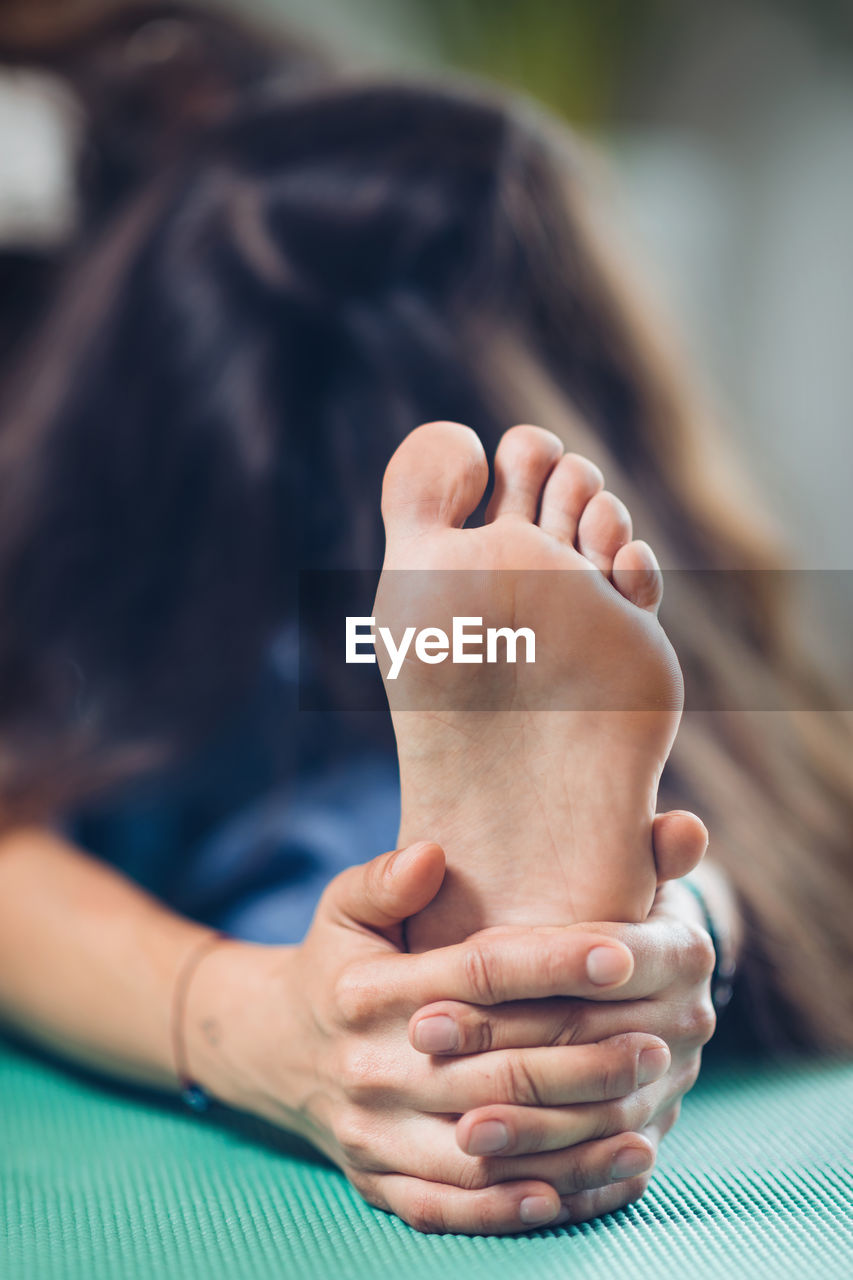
[[524, 459], [680, 840], [436, 476]]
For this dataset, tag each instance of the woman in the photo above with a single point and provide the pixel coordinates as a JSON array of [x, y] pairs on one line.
[[277, 274]]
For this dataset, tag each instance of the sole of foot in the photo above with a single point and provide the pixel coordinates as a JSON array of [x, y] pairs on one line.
[[538, 779]]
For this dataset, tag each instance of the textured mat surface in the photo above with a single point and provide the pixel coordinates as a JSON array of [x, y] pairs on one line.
[[755, 1181]]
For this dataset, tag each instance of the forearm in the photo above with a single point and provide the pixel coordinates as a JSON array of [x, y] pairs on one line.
[[88, 961]]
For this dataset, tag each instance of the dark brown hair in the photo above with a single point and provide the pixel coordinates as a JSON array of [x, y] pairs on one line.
[[254, 313]]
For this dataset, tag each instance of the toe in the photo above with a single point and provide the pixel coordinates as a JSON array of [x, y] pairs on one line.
[[637, 575], [680, 840], [525, 458], [570, 486], [604, 527], [437, 476]]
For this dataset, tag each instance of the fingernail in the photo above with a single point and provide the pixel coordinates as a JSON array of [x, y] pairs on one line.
[[488, 1137], [438, 1034], [629, 1162], [534, 1211], [606, 965], [652, 1064]]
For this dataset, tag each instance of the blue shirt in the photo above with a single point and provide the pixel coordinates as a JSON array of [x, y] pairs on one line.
[[246, 834]]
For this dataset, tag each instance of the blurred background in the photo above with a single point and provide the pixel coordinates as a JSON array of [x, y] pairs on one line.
[[728, 128]]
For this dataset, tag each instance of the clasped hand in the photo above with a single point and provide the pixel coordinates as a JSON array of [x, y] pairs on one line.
[[521, 1078]]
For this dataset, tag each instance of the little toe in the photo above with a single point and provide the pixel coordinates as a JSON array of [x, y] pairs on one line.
[[436, 476], [570, 486], [604, 527], [637, 575], [525, 458]]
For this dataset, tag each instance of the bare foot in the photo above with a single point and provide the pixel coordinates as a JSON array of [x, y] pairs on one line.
[[539, 779]]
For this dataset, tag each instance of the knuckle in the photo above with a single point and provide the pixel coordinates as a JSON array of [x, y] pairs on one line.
[[569, 1029], [609, 1119], [360, 1073], [476, 1033], [517, 1082], [484, 1036], [356, 1138], [699, 1023], [355, 996], [478, 974], [624, 1115], [367, 1185], [617, 1074], [700, 957], [578, 1173], [474, 1175], [693, 1024], [425, 1213]]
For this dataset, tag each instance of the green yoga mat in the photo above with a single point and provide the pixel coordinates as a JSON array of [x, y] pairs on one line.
[[95, 1184]]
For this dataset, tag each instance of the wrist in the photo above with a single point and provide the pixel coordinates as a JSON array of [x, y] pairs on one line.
[[721, 902], [234, 1020], [722, 920]]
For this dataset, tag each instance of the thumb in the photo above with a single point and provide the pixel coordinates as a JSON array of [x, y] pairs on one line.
[[382, 893]]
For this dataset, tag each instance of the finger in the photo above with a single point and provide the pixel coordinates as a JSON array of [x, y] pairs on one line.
[[449, 1028], [532, 1131], [595, 1202], [688, 1023], [626, 1153], [546, 1077], [680, 840], [585, 1205], [500, 965], [387, 890], [587, 1165], [439, 1208], [669, 952], [662, 1124], [425, 1148], [519, 1130]]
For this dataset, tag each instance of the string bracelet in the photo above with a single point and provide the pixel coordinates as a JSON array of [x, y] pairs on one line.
[[723, 977], [191, 1092]]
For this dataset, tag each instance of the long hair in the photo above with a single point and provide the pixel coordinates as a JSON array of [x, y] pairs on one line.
[[316, 262]]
